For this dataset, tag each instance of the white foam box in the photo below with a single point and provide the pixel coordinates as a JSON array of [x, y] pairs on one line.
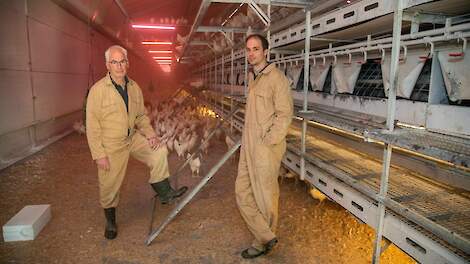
[[27, 223]]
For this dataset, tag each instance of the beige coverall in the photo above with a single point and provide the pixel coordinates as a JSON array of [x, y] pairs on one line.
[[107, 126], [268, 114]]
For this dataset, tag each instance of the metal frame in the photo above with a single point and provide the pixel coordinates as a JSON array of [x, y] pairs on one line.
[[362, 11], [362, 203], [391, 103], [224, 29], [411, 238], [286, 3]]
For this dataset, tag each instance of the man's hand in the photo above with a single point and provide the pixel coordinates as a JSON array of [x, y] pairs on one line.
[[103, 163], [154, 142]]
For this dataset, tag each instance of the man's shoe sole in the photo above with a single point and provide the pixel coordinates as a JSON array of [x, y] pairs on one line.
[[247, 255]]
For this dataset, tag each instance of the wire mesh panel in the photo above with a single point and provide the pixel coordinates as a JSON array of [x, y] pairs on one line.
[[300, 83], [421, 89], [369, 83], [327, 85]]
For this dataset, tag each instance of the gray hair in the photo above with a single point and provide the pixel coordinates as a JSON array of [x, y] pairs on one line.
[[108, 52]]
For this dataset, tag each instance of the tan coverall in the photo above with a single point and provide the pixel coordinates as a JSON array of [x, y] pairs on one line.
[[111, 132], [268, 114]]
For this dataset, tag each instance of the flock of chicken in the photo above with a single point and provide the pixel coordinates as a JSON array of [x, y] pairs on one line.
[[185, 127]]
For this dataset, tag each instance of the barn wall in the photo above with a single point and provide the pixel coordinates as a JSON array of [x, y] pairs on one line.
[[48, 60]]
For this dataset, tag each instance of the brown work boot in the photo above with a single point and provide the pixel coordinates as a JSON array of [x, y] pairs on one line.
[[110, 231]]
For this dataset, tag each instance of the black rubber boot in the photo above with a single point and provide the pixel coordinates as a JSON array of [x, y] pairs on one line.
[[165, 192], [252, 252], [270, 245], [110, 231]]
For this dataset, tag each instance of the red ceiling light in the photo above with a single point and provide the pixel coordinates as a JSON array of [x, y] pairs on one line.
[[153, 27], [162, 58], [160, 51], [156, 43]]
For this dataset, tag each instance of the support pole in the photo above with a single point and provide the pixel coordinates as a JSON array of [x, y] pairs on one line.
[[193, 193], [306, 81], [209, 77], [268, 36], [391, 107], [222, 86], [231, 82], [215, 73], [246, 73]]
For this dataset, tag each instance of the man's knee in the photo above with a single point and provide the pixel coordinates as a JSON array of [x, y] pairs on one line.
[[159, 156], [162, 151]]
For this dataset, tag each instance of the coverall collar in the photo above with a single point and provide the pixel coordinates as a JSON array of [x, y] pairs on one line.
[[268, 68], [109, 80]]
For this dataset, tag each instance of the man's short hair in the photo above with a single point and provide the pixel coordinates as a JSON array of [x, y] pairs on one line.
[[107, 53], [264, 41]]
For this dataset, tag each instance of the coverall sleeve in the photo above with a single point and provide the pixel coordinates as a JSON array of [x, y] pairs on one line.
[[93, 126], [141, 120], [283, 111]]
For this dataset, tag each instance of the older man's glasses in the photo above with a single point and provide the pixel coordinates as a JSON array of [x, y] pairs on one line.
[[120, 63]]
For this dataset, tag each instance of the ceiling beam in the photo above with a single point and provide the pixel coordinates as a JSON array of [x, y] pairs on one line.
[[317, 8], [197, 21], [286, 3], [198, 43], [224, 29], [121, 7]]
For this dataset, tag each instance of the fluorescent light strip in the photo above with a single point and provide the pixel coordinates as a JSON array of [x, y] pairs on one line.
[[153, 27], [160, 51], [162, 58], [156, 43]]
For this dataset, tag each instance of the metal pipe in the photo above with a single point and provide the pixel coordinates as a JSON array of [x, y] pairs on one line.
[[197, 20], [246, 74], [268, 36], [380, 47], [222, 75], [391, 107], [31, 130], [215, 73], [186, 199], [382, 43], [306, 81], [231, 83]]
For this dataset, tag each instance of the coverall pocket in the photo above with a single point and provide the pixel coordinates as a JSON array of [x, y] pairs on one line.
[[264, 109], [108, 109]]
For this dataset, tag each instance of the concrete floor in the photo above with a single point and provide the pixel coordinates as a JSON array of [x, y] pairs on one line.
[[208, 230]]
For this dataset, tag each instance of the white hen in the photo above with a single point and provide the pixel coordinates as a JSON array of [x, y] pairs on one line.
[[180, 148], [194, 164], [79, 127]]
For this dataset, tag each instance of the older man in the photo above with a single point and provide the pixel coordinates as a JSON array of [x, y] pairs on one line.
[[116, 128], [268, 114]]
